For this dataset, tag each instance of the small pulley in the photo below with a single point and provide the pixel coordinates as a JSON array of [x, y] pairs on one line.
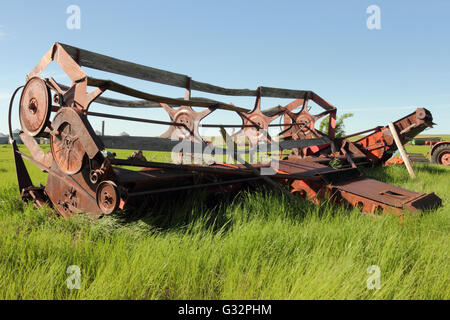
[[108, 197]]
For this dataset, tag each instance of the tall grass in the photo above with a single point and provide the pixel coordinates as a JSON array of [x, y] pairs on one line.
[[256, 245]]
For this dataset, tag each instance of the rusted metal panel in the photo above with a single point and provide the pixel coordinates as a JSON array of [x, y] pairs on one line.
[[378, 191]]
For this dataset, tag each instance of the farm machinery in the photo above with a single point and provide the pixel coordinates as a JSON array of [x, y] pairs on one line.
[[83, 177], [440, 153]]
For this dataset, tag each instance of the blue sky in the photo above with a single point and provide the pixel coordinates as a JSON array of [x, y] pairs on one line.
[[324, 46]]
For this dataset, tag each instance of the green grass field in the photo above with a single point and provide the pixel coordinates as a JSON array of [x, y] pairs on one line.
[[252, 246]]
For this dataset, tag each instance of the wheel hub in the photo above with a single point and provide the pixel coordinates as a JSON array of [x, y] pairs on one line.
[[445, 159], [67, 150], [108, 197]]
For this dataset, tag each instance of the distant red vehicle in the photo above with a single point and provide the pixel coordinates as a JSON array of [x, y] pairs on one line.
[[440, 153]]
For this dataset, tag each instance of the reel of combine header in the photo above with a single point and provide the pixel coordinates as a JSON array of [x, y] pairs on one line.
[[35, 107], [302, 125]]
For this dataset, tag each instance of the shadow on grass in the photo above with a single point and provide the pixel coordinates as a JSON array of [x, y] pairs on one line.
[[432, 169], [218, 211], [176, 210], [196, 210]]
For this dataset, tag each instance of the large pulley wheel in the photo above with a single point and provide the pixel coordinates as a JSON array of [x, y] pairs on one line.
[[108, 197], [35, 107], [67, 150]]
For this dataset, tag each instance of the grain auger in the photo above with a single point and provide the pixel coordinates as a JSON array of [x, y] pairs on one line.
[[84, 178]]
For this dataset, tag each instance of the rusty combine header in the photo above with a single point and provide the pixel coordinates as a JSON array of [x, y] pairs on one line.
[[83, 177]]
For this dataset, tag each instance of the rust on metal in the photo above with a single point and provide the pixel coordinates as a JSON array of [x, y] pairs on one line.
[[34, 110], [255, 123], [108, 197], [67, 149], [83, 177], [186, 123]]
